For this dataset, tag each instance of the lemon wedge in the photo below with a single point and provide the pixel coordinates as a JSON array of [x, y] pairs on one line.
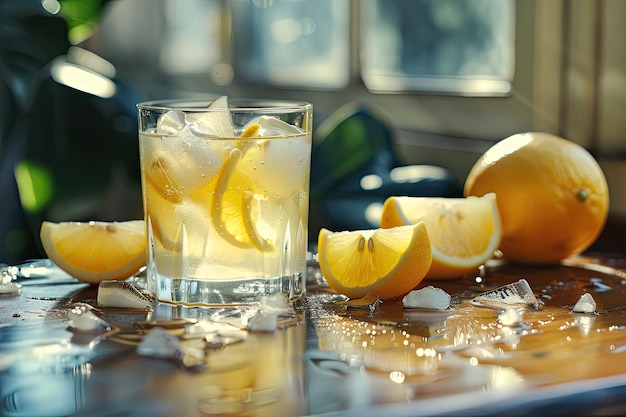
[[386, 262], [96, 251], [464, 232]]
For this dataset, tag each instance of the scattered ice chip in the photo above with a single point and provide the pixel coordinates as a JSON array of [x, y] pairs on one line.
[[192, 355], [263, 322], [10, 289], [122, 294], [7, 286], [159, 343], [278, 303], [368, 302], [8, 274], [270, 310], [518, 292], [510, 317], [586, 304], [214, 123], [218, 341], [83, 319], [427, 297], [203, 328]]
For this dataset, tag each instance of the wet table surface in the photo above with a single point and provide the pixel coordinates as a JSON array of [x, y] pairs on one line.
[[330, 359]]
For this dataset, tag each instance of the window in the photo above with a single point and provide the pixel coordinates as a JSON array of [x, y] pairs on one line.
[[439, 46], [191, 40], [294, 43], [460, 47]]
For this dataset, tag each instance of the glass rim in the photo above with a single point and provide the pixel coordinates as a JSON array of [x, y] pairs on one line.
[[235, 104]]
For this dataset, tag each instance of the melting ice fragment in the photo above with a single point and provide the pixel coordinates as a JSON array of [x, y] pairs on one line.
[[122, 294], [586, 304], [263, 322], [10, 288], [518, 292], [271, 308], [427, 297], [83, 319], [215, 334], [159, 343], [278, 303], [7, 287]]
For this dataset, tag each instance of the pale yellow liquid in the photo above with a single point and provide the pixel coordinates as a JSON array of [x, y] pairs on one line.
[[230, 213]]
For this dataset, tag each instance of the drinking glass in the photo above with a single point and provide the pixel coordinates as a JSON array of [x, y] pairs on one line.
[[225, 187]]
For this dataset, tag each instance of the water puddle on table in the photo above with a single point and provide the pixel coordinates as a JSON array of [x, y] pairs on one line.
[[484, 341]]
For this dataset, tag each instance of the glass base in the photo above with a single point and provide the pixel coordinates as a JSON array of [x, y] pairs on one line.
[[231, 292]]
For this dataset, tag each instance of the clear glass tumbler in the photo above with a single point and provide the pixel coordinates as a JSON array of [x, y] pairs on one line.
[[226, 196]]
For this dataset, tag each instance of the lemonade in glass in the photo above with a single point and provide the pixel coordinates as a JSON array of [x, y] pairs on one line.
[[226, 196]]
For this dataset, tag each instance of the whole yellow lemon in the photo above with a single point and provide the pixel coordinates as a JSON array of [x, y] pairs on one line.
[[552, 196]]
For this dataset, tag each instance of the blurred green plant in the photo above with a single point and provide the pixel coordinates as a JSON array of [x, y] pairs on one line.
[[35, 185], [82, 17]]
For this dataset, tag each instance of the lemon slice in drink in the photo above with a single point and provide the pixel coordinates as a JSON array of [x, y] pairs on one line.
[[236, 201], [233, 208], [464, 232], [386, 262], [96, 251]]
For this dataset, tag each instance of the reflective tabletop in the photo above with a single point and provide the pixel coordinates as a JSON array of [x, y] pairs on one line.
[[332, 358]]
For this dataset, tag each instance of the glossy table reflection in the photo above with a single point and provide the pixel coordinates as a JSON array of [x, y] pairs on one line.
[[330, 360]]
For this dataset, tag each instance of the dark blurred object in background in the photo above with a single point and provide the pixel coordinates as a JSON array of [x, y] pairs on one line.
[[354, 169], [68, 141], [31, 37]]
